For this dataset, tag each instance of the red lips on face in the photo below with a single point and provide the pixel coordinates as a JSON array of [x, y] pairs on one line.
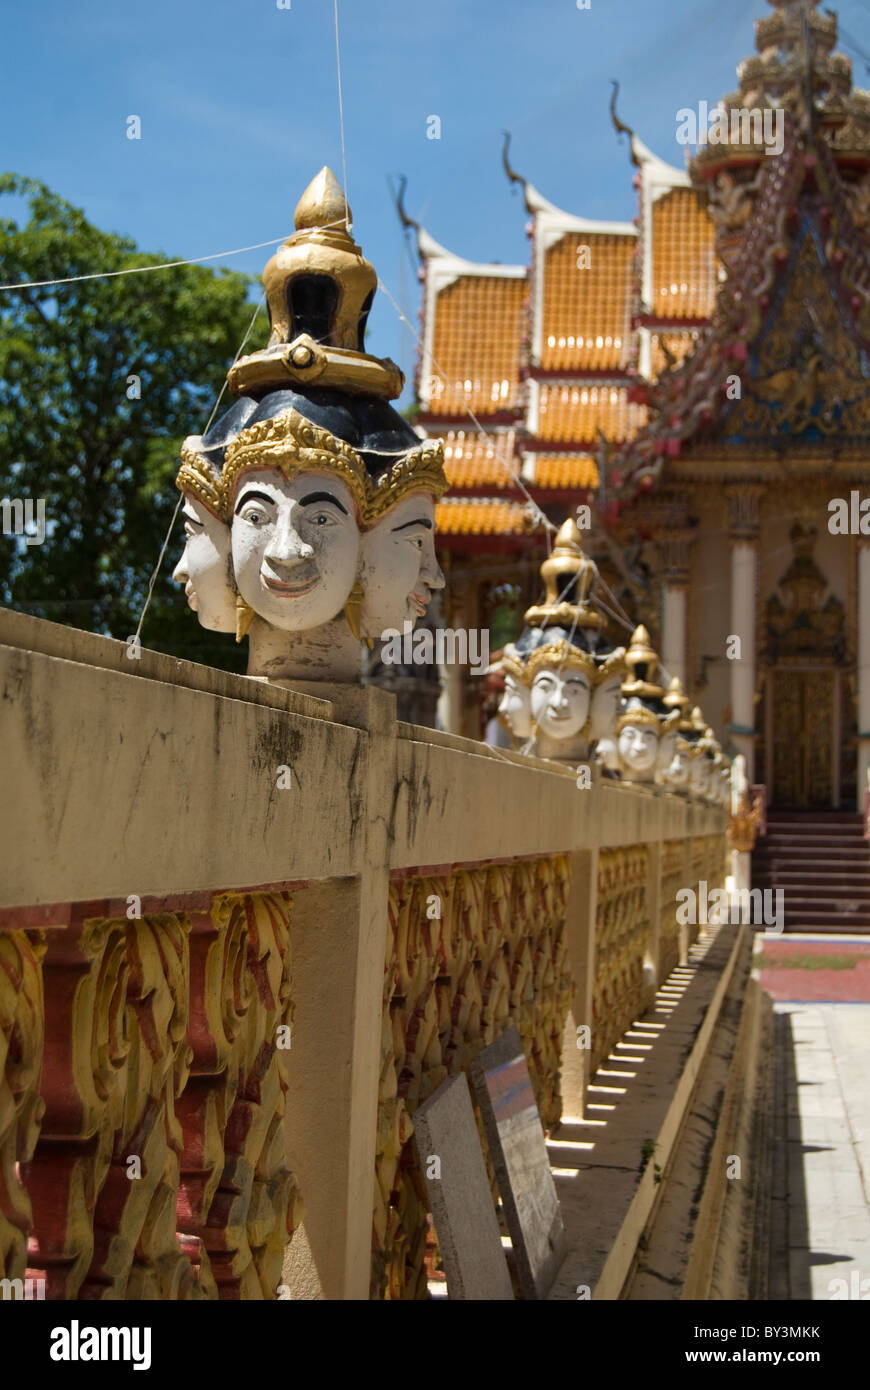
[[306, 579]]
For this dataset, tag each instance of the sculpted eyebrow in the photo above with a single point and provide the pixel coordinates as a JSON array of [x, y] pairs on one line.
[[419, 521], [251, 494], [322, 497]]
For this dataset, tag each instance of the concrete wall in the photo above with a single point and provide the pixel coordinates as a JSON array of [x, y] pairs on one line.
[[155, 777]]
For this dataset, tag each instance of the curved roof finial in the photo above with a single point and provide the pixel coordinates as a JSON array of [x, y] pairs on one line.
[[399, 199], [511, 173], [619, 126]]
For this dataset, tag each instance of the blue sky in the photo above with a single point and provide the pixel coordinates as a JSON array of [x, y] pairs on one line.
[[239, 109]]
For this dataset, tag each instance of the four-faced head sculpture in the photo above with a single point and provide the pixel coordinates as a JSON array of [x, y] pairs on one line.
[[328, 494], [563, 662], [645, 720]]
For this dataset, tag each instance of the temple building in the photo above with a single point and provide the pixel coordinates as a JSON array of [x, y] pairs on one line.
[[699, 379]]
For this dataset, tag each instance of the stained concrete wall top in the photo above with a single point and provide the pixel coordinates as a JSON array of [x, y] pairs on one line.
[[155, 776]]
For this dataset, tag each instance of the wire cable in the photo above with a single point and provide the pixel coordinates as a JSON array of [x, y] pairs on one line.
[[341, 119]]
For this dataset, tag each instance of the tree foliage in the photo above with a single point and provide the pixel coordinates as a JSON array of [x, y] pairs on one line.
[[74, 433]]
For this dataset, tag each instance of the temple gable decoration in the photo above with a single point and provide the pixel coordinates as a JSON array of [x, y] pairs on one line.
[[806, 376]]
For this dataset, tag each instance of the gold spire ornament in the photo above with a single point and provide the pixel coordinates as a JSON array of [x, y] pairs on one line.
[[642, 662], [319, 288], [569, 577], [677, 699]]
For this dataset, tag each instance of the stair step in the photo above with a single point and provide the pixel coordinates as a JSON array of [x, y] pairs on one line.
[[814, 832], [810, 893], [837, 851], [797, 929], [817, 872], [844, 920]]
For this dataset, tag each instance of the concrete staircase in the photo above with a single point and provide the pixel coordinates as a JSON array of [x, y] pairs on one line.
[[821, 861]]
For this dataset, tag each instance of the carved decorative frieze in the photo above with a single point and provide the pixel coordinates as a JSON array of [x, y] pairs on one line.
[[673, 875], [622, 937], [143, 1155], [21, 1106]]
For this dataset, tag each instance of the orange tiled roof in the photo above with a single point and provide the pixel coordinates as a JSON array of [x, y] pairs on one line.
[[476, 343], [480, 516], [565, 470], [575, 413], [586, 312], [476, 460], [684, 262], [679, 344]]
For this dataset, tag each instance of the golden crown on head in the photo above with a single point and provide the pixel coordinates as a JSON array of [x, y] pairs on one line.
[[637, 715], [559, 653], [200, 478]]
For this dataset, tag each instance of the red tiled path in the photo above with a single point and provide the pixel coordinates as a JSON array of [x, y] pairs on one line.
[[837, 986]]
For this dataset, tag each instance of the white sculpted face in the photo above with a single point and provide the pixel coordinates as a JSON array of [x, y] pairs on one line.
[[667, 748], [515, 707], [638, 747], [677, 774], [604, 709], [560, 701], [204, 568], [399, 569], [698, 776], [295, 546]]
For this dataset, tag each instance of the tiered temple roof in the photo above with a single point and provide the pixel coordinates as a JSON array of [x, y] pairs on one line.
[[618, 341]]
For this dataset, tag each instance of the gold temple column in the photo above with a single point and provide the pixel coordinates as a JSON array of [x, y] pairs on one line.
[[743, 508]]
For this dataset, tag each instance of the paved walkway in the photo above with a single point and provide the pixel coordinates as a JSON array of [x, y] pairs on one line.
[[821, 1204]]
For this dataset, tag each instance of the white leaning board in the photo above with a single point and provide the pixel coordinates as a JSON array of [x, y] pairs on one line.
[[460, 1199]]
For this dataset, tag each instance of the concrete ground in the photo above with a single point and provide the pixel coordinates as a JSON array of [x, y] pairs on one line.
[[820, 1227]]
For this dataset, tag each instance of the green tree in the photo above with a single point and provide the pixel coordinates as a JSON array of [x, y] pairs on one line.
[[74, 433]]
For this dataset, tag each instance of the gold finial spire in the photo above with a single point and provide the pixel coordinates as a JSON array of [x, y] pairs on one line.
[[323, 204], [569, 577], [319, 288], [677, 700], [642, 662]]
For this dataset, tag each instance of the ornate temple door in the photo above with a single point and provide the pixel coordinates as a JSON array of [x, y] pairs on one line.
[[803, 738]]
